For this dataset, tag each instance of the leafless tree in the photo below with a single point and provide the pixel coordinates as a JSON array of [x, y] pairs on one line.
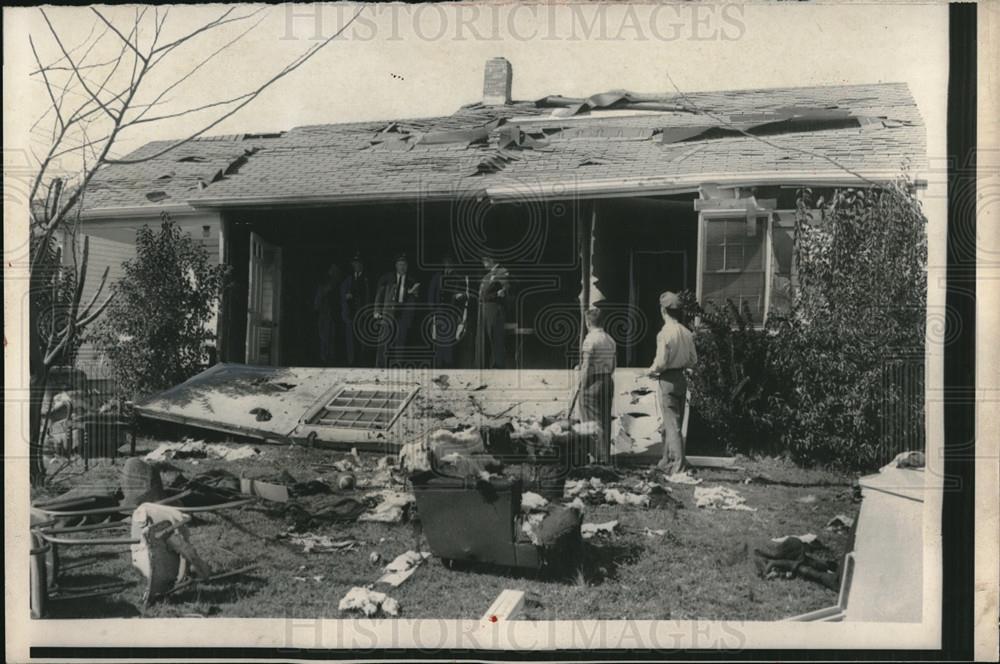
[[115, 83]]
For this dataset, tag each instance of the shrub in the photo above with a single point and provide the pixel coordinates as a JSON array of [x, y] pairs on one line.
[[839, 379], [155, 331], [735, 385], [858, 317]]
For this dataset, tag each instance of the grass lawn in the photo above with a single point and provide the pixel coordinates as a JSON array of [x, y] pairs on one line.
[[701, 568]]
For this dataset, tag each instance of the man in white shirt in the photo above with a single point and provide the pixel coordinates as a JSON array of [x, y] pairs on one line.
[[675, 352], [598, 358]]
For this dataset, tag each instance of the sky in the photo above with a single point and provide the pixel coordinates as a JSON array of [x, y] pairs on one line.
[[399, 61]]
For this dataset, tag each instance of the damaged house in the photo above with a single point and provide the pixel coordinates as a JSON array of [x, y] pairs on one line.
[[607, 200]]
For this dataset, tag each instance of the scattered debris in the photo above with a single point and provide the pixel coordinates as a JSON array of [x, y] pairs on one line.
[[720, 497], [312, 543], [682, 477], [509, 605], [441, 381], [392, 508], [369, 602], [402, 567], [375, 557], [618, 497], [725, 463], [261, 414], [197, 449], [650, 532], [267, 490], [806, 500], [443, 442], [532, 502], [590, 530], [808, 538], [789, 558], [906, 460], [840, 523]]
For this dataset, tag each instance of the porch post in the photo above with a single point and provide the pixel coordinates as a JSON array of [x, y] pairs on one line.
[[222, 342]]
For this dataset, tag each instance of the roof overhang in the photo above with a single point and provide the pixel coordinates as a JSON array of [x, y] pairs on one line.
[[624, 187], [136, 211], [511, 191], [322, 200]]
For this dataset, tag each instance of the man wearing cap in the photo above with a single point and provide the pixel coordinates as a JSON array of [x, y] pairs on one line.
[[675, 352], [355, 296], [394, 299]]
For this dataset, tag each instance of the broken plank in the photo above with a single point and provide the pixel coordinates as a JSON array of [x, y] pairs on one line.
[[712, 462], [509, 605]]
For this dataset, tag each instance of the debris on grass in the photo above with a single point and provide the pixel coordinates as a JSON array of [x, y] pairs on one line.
[[197, 449], [807, 538], [806, 500], [368, 602], [591, 530], [657, 532], [840, 523], [532, 502], [375, 557], [682, 477], [313, 543], [618, 497], [393, 507], [720, 497], [402, 567]]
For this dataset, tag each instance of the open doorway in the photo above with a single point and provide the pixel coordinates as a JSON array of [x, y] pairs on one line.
[[642, 247]]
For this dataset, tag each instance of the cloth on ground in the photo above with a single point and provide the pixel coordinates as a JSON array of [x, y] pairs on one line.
[[719, 497], [141, 483], [368, 602], [402, 567], [393, 507]]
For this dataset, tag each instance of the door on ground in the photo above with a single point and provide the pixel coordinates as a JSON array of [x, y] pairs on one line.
[[263, 303]]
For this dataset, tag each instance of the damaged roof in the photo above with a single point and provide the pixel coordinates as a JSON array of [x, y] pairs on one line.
[[554, 141]]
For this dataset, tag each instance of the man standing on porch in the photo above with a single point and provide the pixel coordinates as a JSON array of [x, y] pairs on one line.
[[493, 290], [355, 296], [675, 352], [445, 291], [394, 309]]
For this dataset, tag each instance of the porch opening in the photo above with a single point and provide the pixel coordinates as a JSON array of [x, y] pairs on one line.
[[298, 299]]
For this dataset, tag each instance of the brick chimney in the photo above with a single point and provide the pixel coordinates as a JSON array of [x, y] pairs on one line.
[[497, 81]]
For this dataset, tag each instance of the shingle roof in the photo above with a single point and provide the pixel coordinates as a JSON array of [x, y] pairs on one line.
[[405, 158]]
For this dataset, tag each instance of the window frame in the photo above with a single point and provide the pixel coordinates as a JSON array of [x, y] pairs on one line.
[[707, 216]]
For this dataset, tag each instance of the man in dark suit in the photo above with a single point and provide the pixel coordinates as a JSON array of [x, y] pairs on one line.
[[394, 299], [326, 318], [493, 290], [355, 296], [448, 302]]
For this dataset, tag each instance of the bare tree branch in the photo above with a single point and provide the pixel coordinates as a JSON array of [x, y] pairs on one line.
[[247, 98]]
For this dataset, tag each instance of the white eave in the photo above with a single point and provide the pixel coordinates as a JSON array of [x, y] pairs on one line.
[[136, 211]]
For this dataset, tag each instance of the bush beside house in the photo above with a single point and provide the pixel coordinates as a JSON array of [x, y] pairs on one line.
[[839, 378], [155, 332]]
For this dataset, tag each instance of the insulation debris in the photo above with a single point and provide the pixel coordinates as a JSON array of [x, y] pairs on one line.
[[369, 602], [532, 502], [312, 543], [591, 530], [196, 449], [807, 538], [682, 478], [392, 508], [402, 567], [840, 523], [618, 497], [720, 497]]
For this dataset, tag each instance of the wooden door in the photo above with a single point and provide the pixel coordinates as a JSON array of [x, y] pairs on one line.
[[263, 303]]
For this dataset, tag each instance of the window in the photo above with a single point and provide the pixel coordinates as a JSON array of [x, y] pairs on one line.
[[733, 265], [362, 407]]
